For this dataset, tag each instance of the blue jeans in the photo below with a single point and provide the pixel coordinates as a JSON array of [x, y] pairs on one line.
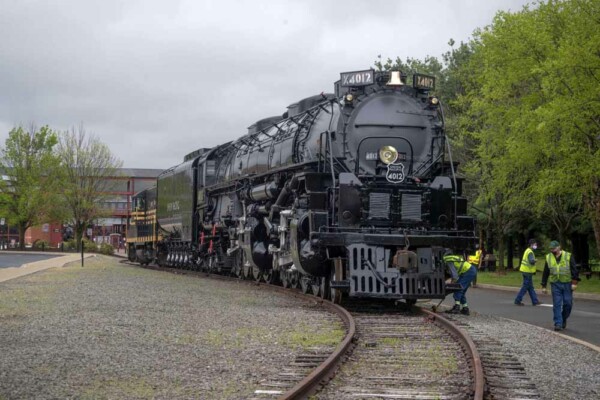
[[475, 279], [465, 281], [527, 287], [562, 302]]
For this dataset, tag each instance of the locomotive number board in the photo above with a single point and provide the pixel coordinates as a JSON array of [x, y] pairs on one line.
[[357, 78], [423, 81]]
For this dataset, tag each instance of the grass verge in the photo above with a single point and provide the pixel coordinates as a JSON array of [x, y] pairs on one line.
[[515, 279]]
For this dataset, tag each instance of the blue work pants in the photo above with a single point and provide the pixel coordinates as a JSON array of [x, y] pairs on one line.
[[562, 302], [465, 281], [527, 287]]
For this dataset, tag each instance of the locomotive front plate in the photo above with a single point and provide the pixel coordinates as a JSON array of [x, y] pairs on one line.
[[357, 78], [395, 173]]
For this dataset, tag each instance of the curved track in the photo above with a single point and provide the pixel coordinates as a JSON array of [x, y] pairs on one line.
[[505, 376], [402, 354], [387, 353]]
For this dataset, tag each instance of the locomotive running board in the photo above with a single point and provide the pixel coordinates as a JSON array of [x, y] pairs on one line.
[[340, 285]]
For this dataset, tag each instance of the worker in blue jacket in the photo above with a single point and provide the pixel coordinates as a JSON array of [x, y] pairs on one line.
[[463, 273]]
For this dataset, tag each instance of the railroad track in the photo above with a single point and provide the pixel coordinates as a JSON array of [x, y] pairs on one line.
[[400, 354], [505, 376], [388, 353]]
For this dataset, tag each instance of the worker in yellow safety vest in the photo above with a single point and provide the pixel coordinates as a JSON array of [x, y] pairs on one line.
[[562, 272], [476, 260], [528, 270], [463, 273]]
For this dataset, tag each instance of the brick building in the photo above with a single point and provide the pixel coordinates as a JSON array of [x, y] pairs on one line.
[[111, 229]]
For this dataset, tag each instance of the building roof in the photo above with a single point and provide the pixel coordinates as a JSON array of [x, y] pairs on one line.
[[139, 172], [121, 172]]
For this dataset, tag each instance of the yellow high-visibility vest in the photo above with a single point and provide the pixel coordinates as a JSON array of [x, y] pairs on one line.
[[461, 265], [559, 271], [525, 266], [476, 258]]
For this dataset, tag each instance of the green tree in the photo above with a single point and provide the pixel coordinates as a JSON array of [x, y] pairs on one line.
[[29, 187], [88, 166], [534, 111]]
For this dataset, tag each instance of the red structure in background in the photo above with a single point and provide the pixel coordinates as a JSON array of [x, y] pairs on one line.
[[118, 204], [50, 233]]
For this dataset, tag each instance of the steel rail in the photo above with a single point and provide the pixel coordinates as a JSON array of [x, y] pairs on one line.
[[471, 349], [310, 384]]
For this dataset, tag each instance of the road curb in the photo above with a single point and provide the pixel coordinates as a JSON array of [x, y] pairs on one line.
[[9, 273], [576, 295]]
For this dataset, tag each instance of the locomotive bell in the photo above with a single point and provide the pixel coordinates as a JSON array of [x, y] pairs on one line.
[[388, 154], [395, 79]]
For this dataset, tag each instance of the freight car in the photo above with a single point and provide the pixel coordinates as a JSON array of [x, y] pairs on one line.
[[352, 193]]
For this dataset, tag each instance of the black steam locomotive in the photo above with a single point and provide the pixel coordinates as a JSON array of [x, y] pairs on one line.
[[351, 193]]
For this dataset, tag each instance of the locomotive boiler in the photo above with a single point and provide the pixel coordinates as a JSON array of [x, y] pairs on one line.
[[352, 193]]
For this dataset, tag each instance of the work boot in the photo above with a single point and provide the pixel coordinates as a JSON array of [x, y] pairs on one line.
[[519, 303], [564, 325], [454, 310], [465, 311]]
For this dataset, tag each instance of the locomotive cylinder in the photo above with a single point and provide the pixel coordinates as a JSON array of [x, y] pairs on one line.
[[263, 192]]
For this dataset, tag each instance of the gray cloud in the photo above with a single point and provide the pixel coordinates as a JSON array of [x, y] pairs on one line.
[[156, 80]]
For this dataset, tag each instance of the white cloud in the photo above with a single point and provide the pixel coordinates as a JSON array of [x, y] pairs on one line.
[[156, 80]]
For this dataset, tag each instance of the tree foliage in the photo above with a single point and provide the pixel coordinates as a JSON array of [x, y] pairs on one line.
[[30, 170], [88, 165], [534, 111], [522, 110]]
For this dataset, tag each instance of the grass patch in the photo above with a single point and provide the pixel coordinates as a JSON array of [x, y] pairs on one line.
[[17, 302], [515, 279], [129, 388], [304, 338], [392, 341]]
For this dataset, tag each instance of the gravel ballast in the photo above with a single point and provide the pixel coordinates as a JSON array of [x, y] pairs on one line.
[[560, 368], [119, 332]]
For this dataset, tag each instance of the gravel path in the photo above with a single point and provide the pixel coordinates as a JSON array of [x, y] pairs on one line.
[[109, 331], [560, 368]]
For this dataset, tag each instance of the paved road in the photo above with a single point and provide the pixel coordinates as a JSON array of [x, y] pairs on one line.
[[584, 322], [16, 259]]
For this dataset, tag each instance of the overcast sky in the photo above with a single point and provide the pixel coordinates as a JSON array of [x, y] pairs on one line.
[[156, 80]]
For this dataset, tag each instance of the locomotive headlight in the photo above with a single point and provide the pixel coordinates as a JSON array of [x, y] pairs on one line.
[[349, 98], [388, 154], [434, 101]]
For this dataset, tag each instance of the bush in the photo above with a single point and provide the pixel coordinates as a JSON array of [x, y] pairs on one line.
[[69, 245], [89, 246], [41, 245], [107, 249]]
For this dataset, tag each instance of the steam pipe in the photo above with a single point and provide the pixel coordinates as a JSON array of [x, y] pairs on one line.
[[451, 168]]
